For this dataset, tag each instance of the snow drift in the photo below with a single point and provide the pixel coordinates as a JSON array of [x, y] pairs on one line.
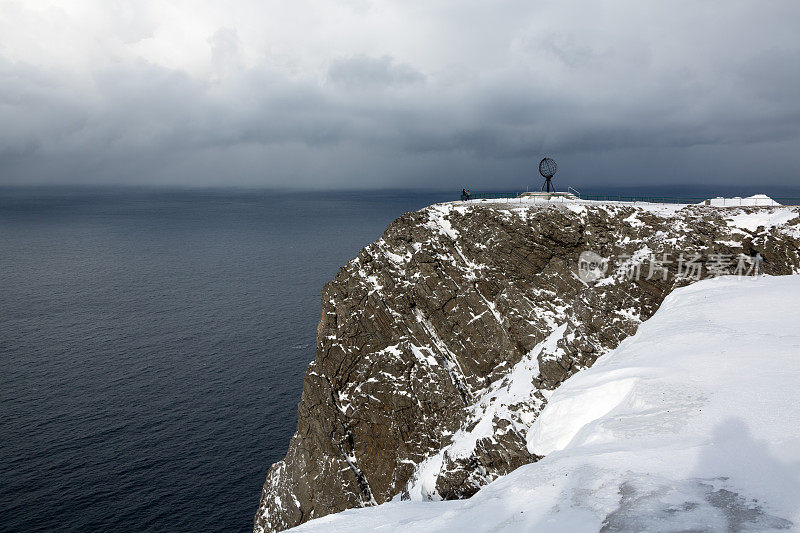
[[691, 424]]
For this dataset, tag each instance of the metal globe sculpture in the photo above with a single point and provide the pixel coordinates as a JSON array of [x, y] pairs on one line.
[[548, 168]]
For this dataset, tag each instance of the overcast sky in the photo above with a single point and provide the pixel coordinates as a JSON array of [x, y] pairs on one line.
[[411, 93]]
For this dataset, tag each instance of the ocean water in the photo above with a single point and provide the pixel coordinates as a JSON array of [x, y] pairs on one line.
[[153, 343]]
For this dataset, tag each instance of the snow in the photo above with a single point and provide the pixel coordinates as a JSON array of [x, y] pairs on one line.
[[566, 417], [521, 206], [633, 221], [762, 217], [756, 199], [438, 220], [579, 209], [690, 424], [578, 205], [495, 403], [423, 358]]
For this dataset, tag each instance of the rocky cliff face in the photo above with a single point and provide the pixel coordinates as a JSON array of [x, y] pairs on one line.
[[441, 342]]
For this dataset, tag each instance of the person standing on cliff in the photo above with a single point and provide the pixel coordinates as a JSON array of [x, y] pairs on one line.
[[463, 194], [468, 194]]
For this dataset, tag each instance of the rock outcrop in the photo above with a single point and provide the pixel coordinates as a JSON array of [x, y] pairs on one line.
[[440, 343]]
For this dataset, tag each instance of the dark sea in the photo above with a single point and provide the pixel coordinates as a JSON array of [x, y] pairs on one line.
[[153, 344]]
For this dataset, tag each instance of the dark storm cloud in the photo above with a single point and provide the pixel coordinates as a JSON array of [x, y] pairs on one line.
[[480, 104]]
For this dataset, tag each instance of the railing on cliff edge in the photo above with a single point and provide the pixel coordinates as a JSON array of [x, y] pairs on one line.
[[724, 202]]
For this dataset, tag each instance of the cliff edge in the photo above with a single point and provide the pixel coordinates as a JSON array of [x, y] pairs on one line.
[[440, 344]]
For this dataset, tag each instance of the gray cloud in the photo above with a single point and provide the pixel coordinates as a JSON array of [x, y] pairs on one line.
[[364, 72], [615, 93]]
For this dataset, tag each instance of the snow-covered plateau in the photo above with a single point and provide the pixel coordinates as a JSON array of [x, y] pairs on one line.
[[691, 424]]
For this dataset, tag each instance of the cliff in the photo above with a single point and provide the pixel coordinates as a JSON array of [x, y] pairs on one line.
[[688, 425], [441, 342]]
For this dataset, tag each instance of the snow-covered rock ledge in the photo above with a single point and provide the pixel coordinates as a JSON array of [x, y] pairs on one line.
[[690, 424]]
